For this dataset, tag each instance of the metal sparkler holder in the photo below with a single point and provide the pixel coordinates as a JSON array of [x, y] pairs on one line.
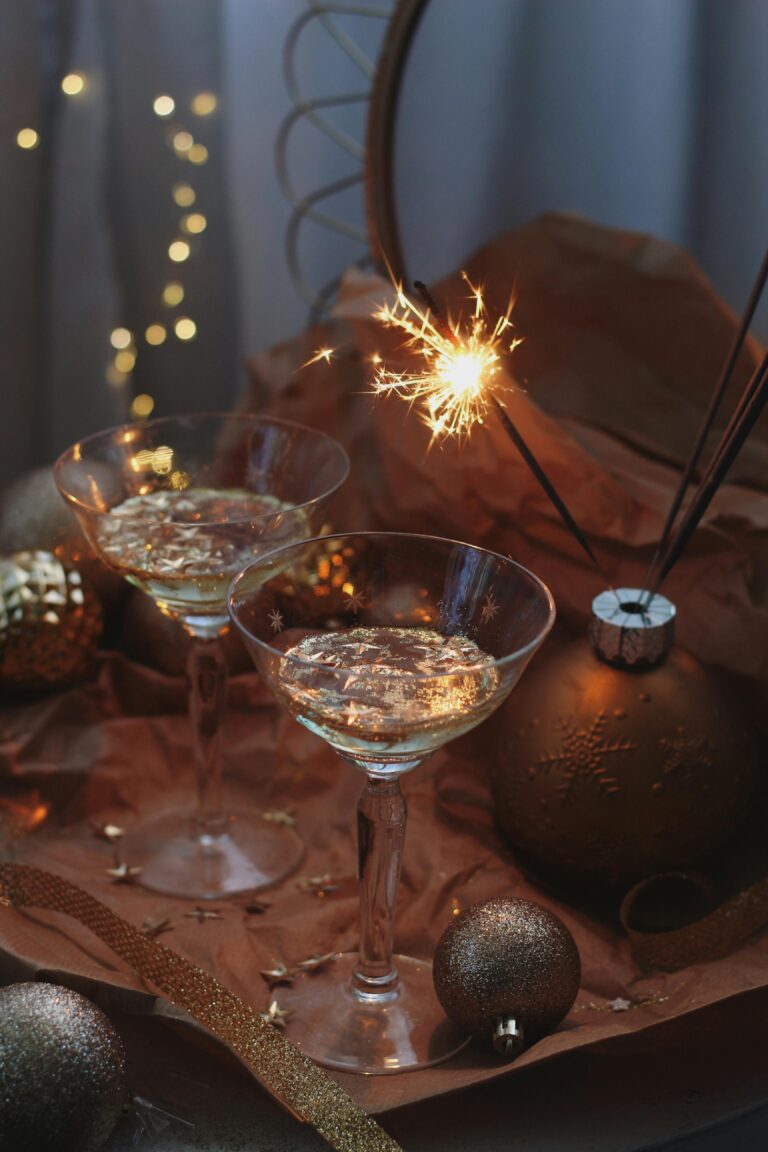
[[628, 632]]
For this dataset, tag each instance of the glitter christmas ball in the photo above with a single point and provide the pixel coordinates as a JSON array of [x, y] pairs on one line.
[[34, 515], [50, 622], [617, 764], [62, 1071], [507, 960]]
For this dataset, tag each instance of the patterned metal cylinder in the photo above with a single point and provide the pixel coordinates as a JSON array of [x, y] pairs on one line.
[[50, 622], [630, 633]]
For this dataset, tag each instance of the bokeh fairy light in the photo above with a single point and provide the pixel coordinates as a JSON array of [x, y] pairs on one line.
[[181, 245], [73, 84], [27, 138]]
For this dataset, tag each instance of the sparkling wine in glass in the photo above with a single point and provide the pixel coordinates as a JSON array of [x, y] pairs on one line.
[[178, 506], [387, 646]]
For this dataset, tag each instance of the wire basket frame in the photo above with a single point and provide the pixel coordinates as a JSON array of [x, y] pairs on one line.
[[309, 206]]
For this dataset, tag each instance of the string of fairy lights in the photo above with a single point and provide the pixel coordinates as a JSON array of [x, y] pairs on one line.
[[126, 345]]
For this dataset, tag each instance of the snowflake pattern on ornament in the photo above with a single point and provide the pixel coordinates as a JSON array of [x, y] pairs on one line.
[[276, 621], [582, 756]]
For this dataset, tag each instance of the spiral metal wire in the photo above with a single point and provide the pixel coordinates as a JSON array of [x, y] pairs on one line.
[[308, 207]]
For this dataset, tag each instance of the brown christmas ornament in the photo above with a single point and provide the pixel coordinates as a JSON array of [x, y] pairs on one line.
[[33, 515], [623, 757], [507, 970], [50, 622]]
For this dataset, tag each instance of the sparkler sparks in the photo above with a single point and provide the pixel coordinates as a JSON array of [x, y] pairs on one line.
[[458, 381], [461, 362], [321, 354]]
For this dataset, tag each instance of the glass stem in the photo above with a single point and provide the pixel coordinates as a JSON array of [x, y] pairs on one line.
[[207, 672], [381, 817]]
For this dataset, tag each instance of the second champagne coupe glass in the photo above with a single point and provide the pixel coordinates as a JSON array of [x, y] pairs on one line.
[[388, 646], [178, 506]]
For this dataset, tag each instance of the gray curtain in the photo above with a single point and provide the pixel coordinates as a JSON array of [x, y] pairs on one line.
[[89, 217], [643, 114]]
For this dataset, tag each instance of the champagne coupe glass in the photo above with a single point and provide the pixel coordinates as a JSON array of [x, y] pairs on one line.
[[178, 506], [388, 646]]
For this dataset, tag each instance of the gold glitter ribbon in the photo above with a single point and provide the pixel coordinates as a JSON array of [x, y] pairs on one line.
[[708, 937], [290, 1076]]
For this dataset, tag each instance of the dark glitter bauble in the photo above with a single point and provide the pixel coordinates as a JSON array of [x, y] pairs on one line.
[[62, 1071], [507, 957]]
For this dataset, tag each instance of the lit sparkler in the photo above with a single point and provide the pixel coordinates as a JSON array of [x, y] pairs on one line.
[[457, 384], [460, 361]]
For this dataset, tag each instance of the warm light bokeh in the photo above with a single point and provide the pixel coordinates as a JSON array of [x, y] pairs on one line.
[[204, 103], [164, 105], [179, 251], [73, 84]]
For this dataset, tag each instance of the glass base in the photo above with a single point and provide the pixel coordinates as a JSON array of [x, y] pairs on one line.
[[343, 1029], [251, 853]]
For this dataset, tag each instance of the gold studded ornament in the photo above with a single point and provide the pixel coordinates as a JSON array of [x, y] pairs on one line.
[[34, 515], [50, 622]]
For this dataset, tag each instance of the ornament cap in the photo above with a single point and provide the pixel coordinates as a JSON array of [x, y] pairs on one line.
[[508, 1037], [630, 631]]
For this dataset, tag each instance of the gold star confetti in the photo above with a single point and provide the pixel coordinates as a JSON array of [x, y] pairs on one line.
[[276, 621], [620, 1004], [275, 1015], [201, 914], [123, 873], [314, 963], [280, 974], [319, 886], [278, 816], [109, 832], [153, 926]]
